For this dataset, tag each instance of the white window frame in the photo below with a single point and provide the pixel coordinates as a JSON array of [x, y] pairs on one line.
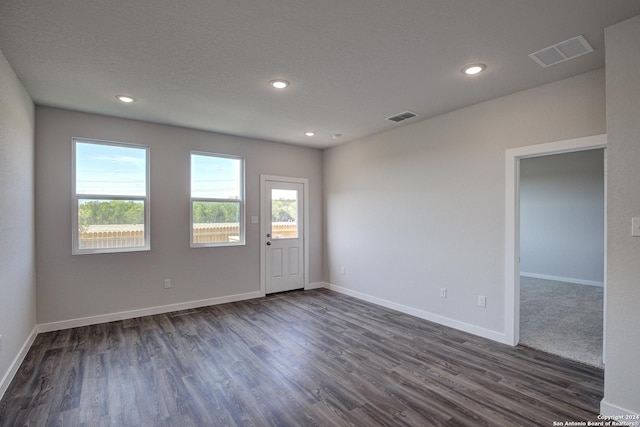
[[241, 201], [76, 250]]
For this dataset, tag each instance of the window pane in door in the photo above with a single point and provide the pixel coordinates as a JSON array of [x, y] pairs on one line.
[[284, 214]]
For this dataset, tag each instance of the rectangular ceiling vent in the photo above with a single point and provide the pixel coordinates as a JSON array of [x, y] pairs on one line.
[[402, 116], [562, 51]]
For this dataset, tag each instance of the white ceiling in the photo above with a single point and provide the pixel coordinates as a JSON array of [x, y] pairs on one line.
[[206, 64]]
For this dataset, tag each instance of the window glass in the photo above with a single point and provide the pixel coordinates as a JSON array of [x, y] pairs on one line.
[[284, 214], [217, 205], [111, 203], [215, 177], [110, 169]]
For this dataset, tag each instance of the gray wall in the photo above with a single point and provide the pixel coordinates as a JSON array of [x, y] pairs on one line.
[[72, 287], [622, 345], [562, 217], [17, 241], [422, 207]]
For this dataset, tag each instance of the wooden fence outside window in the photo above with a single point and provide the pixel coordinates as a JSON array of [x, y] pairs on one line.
[[132, 235]]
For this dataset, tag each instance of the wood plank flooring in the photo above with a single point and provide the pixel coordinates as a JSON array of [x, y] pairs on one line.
[[303, 358]]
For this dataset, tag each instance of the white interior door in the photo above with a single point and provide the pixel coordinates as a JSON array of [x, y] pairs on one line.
[[284, 240]]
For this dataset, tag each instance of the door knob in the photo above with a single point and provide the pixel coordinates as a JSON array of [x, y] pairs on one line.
[[268, 243]]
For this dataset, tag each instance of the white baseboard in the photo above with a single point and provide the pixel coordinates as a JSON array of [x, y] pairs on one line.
[[615, 412], [562, 279], [13, 368], [122, 315], [316, 285], [442, 320]]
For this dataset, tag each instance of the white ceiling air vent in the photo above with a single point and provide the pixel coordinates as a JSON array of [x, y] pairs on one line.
[[402, 116], [562, 51]]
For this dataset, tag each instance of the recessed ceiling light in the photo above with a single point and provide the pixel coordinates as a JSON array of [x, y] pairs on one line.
[[474, 69], [125, 98], [309, 133], [279, 83]]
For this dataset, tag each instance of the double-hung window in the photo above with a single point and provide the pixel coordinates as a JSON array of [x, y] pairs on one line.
[[217, 200], [110, 197]]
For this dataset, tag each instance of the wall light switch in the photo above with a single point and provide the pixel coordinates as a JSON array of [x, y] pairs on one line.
[[254, 220], [635, 227]]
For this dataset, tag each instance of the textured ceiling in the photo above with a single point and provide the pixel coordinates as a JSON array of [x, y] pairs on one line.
[[206, 64]]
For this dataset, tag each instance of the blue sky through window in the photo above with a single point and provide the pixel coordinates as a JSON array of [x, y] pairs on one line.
[[215, 177], [103, 169]]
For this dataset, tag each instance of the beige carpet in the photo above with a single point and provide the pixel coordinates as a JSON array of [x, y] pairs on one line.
[[562, 318]]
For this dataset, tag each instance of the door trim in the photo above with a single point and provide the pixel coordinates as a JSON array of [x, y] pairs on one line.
[[512, 222], [264, 226]]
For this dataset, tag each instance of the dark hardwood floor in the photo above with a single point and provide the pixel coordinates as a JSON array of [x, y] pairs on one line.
[[295, 359]]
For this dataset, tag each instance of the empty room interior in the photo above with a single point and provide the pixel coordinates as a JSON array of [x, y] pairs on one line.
[[319, 213]]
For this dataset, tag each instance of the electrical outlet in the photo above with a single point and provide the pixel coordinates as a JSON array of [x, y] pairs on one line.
[[342, 270], [167, 283], [482, 301], [443, 292]]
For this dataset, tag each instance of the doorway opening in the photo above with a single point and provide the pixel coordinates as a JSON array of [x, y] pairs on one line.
[[512, 223], [562, 254]]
